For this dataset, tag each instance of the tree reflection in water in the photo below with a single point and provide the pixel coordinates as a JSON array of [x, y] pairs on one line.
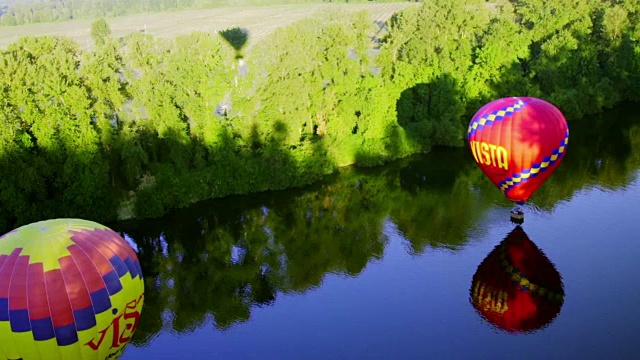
[[219, 259]]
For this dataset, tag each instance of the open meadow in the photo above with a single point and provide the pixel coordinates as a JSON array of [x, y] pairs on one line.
[[259, 21]]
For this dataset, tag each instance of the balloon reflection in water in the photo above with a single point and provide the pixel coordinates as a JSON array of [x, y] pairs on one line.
[[516, 287], [69, 289]]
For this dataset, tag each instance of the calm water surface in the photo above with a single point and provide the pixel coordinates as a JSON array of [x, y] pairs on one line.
[[416, 259]]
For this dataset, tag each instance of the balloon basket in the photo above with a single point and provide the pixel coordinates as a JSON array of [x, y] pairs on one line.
[[517, 216]]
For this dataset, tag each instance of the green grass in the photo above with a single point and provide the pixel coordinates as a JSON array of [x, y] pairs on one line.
[[260, 21]]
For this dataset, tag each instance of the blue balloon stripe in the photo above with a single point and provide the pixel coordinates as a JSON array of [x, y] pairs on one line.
[[4, 309], [119, 266], [509, 182], [133, 269], [66, 335], [526, 174], [478, 123], [112, 281], [42, 329], [85, 318], [100, 301], [139, 268], [19, 320]]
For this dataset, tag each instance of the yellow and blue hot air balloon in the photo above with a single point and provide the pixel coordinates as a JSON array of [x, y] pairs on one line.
[[69, 289]]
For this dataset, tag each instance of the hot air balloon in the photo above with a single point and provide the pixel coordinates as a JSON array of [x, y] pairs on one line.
[[516, 288], [69, 289], [518, 142]]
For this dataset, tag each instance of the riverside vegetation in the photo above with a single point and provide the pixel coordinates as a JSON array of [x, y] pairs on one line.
[[247, 252], [142, 125]]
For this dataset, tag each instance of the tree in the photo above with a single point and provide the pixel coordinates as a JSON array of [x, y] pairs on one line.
[[425, 58], [50, 148], [312, 83], [100, 30]]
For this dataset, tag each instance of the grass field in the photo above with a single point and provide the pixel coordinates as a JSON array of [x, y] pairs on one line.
[[260, 21]]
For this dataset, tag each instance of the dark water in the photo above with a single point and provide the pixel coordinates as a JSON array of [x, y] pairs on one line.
[[416, 259]]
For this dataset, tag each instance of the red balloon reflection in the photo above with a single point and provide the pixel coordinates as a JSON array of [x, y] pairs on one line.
[[516, 288]]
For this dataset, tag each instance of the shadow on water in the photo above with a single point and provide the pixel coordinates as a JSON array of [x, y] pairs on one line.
[[239, 253], [516, 288]]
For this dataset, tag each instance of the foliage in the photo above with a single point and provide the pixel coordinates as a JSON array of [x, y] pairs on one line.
[[314, 94], [100, 31], [51, 158], [141, 125]]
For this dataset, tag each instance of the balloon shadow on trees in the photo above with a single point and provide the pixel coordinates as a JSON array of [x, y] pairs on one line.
[[236, 37], [430, 113]]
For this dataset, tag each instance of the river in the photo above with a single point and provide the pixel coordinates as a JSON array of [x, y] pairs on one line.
[[414, 259]]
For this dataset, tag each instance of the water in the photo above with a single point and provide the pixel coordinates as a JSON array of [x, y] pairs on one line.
[[380, 263]]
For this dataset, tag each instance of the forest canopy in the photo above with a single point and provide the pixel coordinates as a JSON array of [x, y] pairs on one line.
[[141, 125]]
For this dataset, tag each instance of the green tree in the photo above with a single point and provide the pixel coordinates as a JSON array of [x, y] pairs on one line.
[[497, 69], [312, 85], [103, 76], [426, 60], [100, 31], [8, 20], [51, 150]]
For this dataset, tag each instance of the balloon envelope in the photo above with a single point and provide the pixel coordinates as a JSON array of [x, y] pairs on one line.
[[516, 288], [518, 142], [69, 289]]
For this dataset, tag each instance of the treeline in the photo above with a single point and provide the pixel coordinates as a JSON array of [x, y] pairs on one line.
[[142, 124], [19, 12], [39, 11], [244, 252]]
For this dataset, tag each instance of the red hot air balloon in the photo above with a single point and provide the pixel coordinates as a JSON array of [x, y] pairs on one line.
[[516, 288], [518, 142]]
